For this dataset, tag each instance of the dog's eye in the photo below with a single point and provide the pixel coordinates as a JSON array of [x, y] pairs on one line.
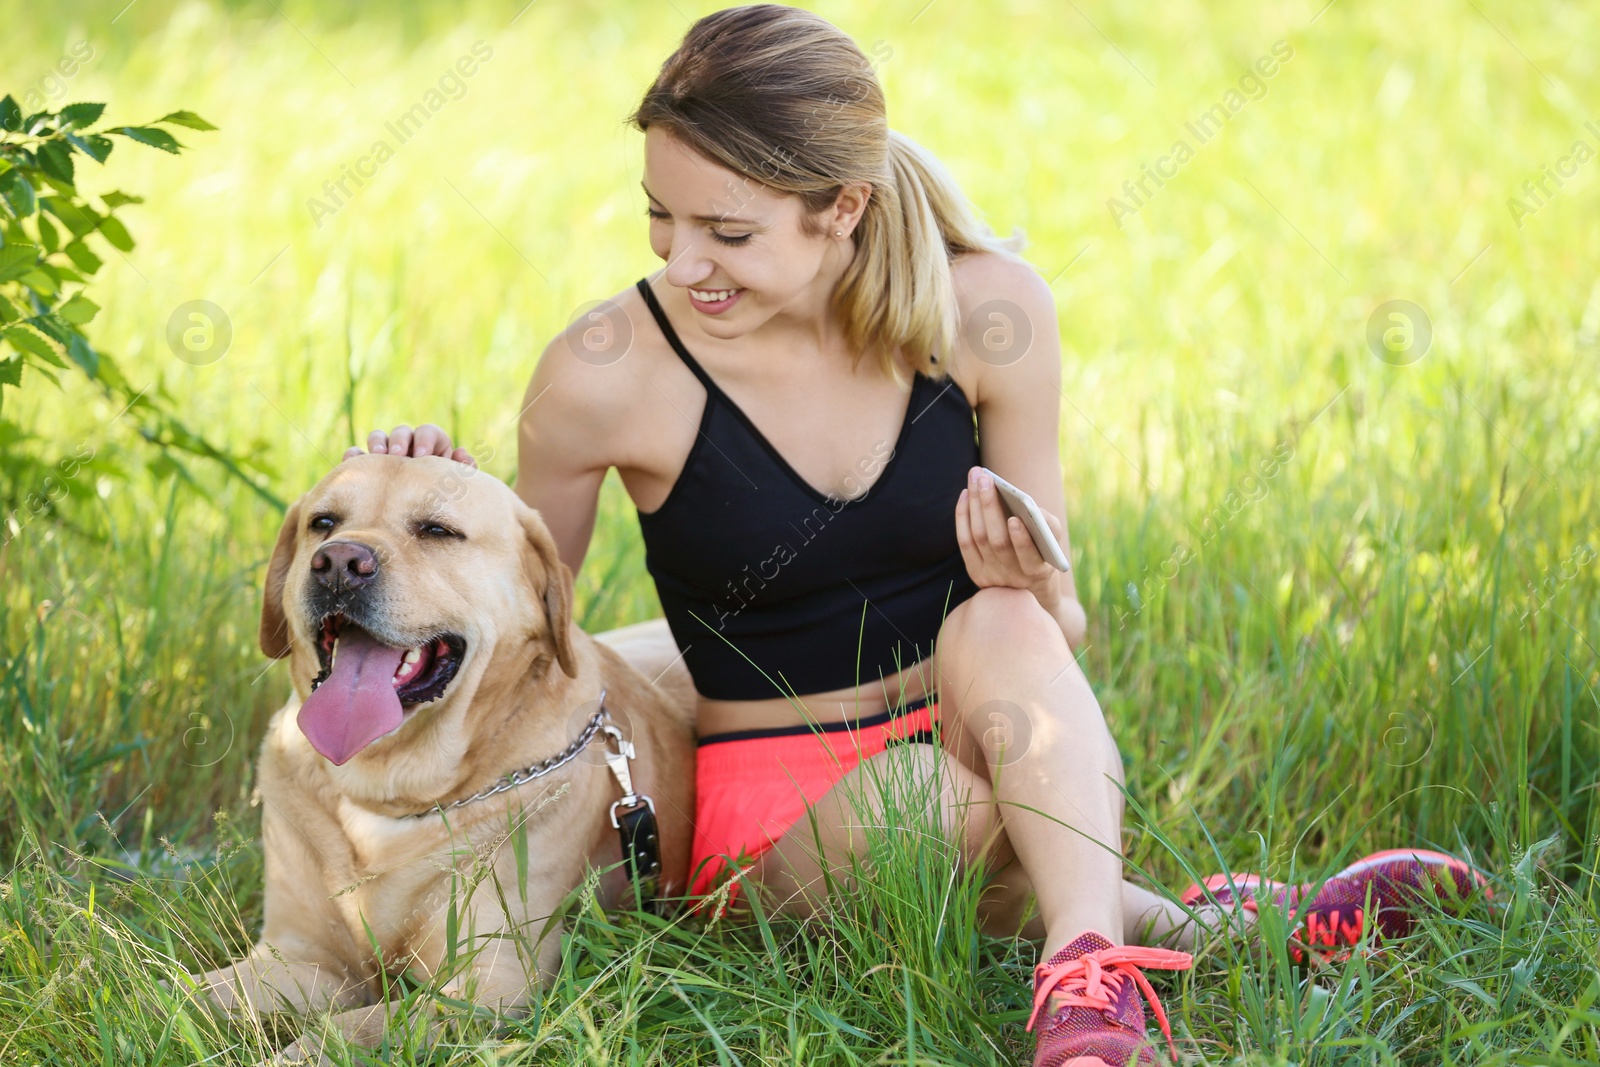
[[433, 529], [323, 522]]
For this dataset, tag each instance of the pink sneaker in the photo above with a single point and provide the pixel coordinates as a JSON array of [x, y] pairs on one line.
[[1335, 917], [1093, 1013]]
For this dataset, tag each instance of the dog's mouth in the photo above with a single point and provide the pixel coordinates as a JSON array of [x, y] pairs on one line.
[[366, 686], [423, 673]]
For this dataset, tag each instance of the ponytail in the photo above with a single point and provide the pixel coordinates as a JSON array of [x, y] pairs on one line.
[[897, 297]]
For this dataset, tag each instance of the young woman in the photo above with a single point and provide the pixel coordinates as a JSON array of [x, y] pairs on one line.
[[792, 414]]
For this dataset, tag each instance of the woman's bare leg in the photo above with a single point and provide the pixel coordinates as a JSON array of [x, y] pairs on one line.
[[1000, 653], [792, 872], [794, 869]]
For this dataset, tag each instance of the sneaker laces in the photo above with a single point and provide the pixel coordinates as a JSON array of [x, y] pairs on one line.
[[1089, 980], [1327, 929], [1330, 931]]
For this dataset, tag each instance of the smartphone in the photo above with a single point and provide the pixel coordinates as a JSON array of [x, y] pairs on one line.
[[1015, 502]]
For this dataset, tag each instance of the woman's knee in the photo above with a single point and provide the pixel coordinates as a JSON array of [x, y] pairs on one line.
[[1038, 706], [1001, 620]]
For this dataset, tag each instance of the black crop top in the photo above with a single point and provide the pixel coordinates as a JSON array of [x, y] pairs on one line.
[[770, 586]]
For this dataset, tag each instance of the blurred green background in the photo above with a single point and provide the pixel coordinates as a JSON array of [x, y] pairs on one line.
[[1389, 640]]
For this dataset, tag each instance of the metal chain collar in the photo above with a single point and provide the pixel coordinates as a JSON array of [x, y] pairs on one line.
[[537, 770]]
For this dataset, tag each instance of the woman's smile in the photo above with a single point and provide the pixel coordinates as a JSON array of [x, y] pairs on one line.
[[714, 301]]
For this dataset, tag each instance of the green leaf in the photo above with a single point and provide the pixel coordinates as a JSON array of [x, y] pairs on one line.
[[25, 340], [187, 118], [77, 116], [10, 114], [11, 371], [95, 152], [52, 326], [79, 310], [79, 219], [84, 356], [62, 188], [116, 233], [41, 281], [18, 193], [55, 159], [101, 146], [116, 199], [48, 236], [82, 257], [8, 311], [17, 260], [152, 136]]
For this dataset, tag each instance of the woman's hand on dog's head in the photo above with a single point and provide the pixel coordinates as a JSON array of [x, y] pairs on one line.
[[425, 440]]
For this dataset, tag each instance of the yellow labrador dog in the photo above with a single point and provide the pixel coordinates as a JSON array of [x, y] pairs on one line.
[[443, 766]]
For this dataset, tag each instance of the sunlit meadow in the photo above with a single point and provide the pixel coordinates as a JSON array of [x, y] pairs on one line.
[[1337, 602]]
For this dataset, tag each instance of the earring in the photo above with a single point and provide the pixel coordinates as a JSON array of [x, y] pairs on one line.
[[838, 233]]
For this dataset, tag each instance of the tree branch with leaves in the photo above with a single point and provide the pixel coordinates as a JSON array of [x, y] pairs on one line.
[[52, 238]]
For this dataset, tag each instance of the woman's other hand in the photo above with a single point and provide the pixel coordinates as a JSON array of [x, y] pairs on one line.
[[425, 440]]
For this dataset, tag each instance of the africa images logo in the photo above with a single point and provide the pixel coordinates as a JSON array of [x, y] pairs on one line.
[[1203, 128], [739, 592], [1549, 182]]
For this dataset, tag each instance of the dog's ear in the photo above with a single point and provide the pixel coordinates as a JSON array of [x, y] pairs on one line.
[[552, 580], [274, 636]]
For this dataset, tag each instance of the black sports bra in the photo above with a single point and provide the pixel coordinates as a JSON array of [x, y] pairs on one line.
[[772, 588]]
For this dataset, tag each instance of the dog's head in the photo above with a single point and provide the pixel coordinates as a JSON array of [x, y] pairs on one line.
[[397, 583]]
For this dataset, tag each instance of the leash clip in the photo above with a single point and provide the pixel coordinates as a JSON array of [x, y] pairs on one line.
[[619, 754]]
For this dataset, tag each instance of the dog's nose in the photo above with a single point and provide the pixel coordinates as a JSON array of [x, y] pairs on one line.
[[344, 565]]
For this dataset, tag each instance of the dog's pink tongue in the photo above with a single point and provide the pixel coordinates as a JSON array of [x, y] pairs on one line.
[[357, 704]]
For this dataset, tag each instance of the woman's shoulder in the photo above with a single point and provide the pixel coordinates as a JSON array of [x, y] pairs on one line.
[[983, 276], [599, 356], [603, 332], [593, 379], [1002, 305]]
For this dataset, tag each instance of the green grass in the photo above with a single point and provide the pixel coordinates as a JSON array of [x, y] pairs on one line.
[[1391, 640]]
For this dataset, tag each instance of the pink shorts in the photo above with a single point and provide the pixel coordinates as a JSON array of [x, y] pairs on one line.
[[751, 786]]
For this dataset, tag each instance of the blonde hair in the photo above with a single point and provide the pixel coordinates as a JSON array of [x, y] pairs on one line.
[[785, 99]]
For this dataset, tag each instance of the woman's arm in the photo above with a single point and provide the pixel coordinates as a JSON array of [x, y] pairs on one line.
[[565, 439], [1019, 426]]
